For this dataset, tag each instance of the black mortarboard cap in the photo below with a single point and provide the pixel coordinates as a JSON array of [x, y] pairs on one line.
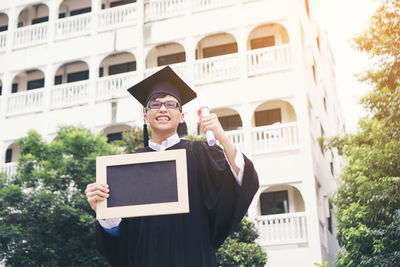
[[163, 81]]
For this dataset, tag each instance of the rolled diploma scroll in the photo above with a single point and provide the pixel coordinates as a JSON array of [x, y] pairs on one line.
[[209, 134]]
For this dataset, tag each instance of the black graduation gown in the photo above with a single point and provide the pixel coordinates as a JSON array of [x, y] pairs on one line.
[[217, 205]]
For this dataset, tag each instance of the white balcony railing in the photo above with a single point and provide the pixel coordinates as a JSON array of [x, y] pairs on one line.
[[237, 137], [179, 68], [69, 94], [114, 86], [161, 9], [3, 40], [268, 59], [117, 16], [216, 69], [30, 35], [73, 26], [281, 229], [9, 168], [199, 5], [273, 138], [25, 102]]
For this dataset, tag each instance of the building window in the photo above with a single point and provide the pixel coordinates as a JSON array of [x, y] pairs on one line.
[[3, 28], [40, 20], [78, 76], [14, 88], [121, 68], [122, 2], [266, 41], [1, 88], [171, 59], [274, 202], [34, 84], [220, 50], [330, 223], [230, 123], [8, 155], [80, 11], [58, 80], [114, 136], [61, 15], [267, 117], [101, 72]]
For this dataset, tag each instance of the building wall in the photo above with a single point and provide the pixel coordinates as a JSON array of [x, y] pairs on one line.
[[296, 75]]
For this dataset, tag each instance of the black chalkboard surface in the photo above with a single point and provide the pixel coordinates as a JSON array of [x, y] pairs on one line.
[[143, 184], [146, 183]]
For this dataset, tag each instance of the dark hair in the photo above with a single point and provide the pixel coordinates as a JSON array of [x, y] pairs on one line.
[[162, 95]]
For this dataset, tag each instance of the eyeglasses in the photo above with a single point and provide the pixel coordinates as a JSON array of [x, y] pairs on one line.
[[169, 104]]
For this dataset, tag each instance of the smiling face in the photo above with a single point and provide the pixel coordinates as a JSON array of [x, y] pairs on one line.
[[163, 122]]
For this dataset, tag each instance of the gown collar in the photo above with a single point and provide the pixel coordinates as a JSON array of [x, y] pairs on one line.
[[170, 141]]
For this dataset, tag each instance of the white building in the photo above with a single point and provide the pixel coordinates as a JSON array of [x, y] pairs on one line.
[[262, 66]]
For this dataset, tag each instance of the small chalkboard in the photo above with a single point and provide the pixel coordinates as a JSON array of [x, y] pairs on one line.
[[143, 184]]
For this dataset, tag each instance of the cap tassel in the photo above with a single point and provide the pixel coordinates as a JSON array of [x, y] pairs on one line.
[[145, 135]]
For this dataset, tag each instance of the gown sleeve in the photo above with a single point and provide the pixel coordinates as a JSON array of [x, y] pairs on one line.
[[226, 201], [113, 248]]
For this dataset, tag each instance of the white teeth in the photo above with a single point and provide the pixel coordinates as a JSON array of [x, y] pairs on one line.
[[163, 119]]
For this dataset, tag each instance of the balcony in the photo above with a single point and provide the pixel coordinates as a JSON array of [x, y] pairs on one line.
[[268, 59], [73, 26], [208, 70], [3, 40], [267, 139], [114, 86], [162, 9], [216, 69], [274, 138], [25, 102], [31, 35], [180, 68], [70, 94], [201, 5], [282, 229], [117, 17], [9, 168]]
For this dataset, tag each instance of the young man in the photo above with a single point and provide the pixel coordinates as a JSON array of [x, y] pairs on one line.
[[221, 183]]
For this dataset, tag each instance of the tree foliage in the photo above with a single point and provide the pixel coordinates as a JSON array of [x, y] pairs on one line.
[[368, 196], [45, 218], [240, 249]]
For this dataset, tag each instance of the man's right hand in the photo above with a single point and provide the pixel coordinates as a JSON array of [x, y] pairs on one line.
[[96, 192]]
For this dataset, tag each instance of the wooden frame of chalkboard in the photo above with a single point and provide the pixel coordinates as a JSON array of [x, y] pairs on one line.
[[143, 184]]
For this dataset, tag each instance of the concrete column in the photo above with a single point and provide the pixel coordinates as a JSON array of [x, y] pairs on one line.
[[246, 116], [12, 26], [48, 85], [96, 7], [53, 16], [312, 221], [6, 91], [93, 77], [140, 56]]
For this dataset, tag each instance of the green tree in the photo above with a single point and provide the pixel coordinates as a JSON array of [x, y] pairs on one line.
[[45, 218], [368, 196], [240, 248]]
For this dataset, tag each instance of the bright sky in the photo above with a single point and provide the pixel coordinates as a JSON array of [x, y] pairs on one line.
[[342, 20]]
